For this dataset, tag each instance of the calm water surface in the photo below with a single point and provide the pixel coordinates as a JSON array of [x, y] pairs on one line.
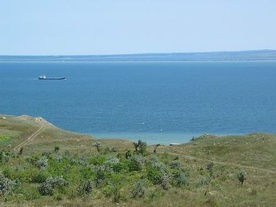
[[158, 102]]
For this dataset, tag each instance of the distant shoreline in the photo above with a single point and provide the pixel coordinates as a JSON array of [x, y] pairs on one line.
[[238, 56], [134, 61]]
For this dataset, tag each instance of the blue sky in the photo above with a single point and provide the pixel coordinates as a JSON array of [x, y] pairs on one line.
[[90, 27]]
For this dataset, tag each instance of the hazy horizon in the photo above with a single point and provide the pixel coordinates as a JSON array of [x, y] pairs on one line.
[[107, 27], [148, 53]]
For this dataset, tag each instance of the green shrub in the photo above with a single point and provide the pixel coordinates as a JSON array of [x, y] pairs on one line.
[[136, 163], [7, 186], [86, 172], [210, 167], [59, 158], [85, 188], [140, 147], [175, 164], [46, 189], [155, 163], [56, 148], [241, 176], [157, 172], [154, 175], [42, 163], [83, 160], [114, 164], [138, 189], [20, 173], [4, 156], [180, 179], [203, 181], [102, 173], [52, 183], [179, 176], [40, 176], [165, 181], [109, 190], [56, 168], [97, 160]]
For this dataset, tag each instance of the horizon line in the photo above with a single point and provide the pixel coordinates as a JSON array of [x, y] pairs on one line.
[[144, 53]]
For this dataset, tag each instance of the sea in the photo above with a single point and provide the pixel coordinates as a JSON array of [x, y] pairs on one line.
[[156, 102]]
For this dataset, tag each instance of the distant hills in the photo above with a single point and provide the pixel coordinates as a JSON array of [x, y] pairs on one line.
[[253, 55]]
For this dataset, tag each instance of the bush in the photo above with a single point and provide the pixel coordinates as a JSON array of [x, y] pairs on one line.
[[140, 147], [6, 185], [154, 175], [59, 158], [175, 164], [180, 179], [85, 188], [179, 176], [42, 163], [19, 173], [114, 164], [109, 190], [5, 156], [79, 160], [157, 172], [56, 148], [97, 160], [102, 172], [241, 176], [47, 188], [210, 167], [57, 182], [85, 173], [138, 189], [203, 181], [165, 181], [40, 176], [136, 163], [155, 163]]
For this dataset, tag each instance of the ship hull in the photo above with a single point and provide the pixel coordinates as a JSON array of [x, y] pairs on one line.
[[52, 78]]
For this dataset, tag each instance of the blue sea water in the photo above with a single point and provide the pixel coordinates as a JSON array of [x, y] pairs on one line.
[[158, 102]]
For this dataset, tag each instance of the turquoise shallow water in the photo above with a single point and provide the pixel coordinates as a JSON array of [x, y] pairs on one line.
[[153, 101]]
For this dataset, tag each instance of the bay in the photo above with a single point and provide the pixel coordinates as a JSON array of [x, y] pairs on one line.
[[158, 102]]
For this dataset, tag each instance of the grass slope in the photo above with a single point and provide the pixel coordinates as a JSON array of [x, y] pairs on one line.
[[42, 165]]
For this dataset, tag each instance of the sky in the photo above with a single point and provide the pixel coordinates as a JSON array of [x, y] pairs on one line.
[[93, 27]]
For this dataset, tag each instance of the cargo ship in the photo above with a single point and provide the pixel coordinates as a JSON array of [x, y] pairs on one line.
[[44, 77]]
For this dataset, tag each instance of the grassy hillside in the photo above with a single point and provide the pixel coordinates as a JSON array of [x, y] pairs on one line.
[[41, 165]]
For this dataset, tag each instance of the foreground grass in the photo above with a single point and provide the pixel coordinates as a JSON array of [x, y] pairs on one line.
[[60, 168]]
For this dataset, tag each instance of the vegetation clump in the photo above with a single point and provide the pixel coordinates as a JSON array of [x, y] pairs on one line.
[[242, 176], [140, 147], [6, 185], [138, 189], [42, 163], [136, 162], [85, 188], [52, 183]]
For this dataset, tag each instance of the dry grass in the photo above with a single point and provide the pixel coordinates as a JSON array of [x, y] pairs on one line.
[[254, 153]]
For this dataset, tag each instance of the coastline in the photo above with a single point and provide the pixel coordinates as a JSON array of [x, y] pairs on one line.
[[164, 138]]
